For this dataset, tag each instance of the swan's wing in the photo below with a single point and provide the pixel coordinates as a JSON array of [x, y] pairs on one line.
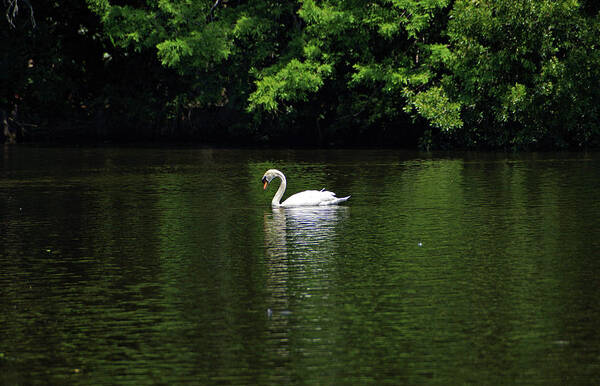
[[313, 198], [306, 198]]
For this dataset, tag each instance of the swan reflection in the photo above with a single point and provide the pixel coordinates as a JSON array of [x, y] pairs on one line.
[[299, 245], [302, 227]]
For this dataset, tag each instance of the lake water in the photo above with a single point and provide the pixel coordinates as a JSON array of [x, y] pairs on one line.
[[168, 266]]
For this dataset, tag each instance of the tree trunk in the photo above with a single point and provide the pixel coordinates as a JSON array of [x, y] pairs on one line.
[[319, 133], [10, 135]]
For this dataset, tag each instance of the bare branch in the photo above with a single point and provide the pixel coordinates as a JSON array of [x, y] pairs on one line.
[[212, 10], [12, 10]]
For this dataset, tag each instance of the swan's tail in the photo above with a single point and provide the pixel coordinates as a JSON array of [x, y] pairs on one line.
[[339, 200]]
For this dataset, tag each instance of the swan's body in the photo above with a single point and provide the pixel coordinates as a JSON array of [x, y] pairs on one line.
[[306, 198]]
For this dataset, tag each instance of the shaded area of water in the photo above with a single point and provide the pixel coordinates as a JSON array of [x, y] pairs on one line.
[[153, 265]]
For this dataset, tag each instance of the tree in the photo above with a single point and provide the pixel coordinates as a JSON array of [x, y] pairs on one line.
[[480, 74], [8, 102], [365, 63], [214, 46], [525, 73]]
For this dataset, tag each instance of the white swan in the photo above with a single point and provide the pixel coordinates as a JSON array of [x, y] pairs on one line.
[[306, 198]]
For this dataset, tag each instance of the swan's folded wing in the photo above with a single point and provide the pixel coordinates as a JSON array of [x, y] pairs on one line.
[[313, 198]]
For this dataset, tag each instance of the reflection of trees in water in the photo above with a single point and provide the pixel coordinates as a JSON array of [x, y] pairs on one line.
[[298, 241]]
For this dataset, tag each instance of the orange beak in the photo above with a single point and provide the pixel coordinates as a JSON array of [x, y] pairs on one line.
[[265, 185]]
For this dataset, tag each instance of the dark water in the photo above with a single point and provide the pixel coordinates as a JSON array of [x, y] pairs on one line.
[[168, 266]]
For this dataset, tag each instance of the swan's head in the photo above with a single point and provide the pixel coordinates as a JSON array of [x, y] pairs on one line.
[[268, 177]]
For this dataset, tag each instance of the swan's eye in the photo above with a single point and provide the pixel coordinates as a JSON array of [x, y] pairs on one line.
[[264, 179]]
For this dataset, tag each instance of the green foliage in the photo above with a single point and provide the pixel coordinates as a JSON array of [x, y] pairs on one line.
[[216, 48], [485, 73], [523, 71], [294, 82], [435, 106], [130, 27], [360, 60], [198, 50]]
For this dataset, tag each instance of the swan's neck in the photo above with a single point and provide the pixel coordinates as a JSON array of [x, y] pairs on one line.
[[276, 202]]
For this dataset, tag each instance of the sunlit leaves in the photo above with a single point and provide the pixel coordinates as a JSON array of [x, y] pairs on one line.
[[325, 19], [389, 77], [346, 38], [435, 106], [439, 53], [293, 83], [197, 50], [171, 51], [100, 7]]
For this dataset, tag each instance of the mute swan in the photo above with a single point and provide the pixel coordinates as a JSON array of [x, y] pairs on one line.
[[306, 198]]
